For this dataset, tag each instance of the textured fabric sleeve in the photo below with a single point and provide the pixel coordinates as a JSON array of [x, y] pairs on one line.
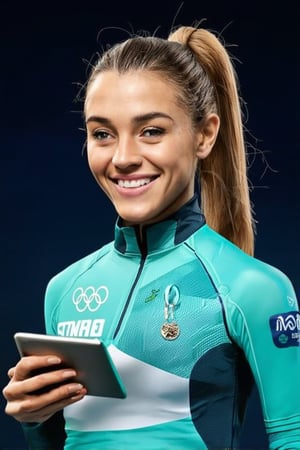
[[49, 435], [264, 320]]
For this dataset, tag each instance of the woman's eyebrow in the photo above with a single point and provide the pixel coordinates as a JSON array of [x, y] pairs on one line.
[[136, 120], [149, 116], [98, 119]]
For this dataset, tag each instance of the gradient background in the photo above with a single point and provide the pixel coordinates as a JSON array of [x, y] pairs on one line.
[[52, 211]]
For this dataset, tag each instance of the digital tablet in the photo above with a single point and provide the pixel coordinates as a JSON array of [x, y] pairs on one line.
[[89, 357]]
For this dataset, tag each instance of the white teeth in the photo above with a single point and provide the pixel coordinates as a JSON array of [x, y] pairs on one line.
[[133, 183]]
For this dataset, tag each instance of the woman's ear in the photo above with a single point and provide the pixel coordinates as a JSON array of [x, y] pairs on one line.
[[207, 135]]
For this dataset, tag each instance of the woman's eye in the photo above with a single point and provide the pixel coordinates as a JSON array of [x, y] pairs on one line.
[[101, 135], [152, 132]]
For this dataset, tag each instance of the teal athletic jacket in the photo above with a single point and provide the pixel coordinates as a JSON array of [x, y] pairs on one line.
[[191, 321]]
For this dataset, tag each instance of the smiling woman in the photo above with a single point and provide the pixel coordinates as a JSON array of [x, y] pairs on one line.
[[182, 289]]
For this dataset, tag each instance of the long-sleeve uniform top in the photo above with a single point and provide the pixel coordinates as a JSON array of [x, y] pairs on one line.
[[237, 320]]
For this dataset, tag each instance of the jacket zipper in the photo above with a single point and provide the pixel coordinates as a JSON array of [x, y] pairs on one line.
[[143, 248]]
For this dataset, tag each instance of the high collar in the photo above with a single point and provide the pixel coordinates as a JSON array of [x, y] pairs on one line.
[[162, 235]]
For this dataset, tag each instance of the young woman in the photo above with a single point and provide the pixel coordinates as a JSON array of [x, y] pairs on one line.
[[190, 317]]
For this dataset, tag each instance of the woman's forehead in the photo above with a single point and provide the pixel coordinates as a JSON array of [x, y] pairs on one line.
[[134, 86]]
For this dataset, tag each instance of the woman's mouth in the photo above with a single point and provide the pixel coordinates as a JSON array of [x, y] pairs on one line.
[[134, 183]]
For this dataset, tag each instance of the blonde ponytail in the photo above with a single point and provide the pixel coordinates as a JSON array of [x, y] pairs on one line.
[[223, 174]]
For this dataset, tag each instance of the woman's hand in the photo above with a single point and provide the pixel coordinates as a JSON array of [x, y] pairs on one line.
[[35, 398]]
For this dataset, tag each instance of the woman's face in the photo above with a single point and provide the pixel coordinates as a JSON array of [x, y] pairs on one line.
[[141, 145]]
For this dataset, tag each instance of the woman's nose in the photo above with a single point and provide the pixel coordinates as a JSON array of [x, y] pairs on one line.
[[126, 154]]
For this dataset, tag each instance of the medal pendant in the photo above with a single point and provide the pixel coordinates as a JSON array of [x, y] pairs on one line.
[[170, 331]]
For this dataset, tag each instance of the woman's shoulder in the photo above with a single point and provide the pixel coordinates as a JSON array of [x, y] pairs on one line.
[[229, 265]]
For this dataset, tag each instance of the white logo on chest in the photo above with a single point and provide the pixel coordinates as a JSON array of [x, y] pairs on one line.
[[89, 298]]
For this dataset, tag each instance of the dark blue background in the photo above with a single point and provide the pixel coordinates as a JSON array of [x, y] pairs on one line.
[[52, 211]]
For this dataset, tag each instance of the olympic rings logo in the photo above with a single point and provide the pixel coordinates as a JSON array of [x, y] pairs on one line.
[[90, 298]]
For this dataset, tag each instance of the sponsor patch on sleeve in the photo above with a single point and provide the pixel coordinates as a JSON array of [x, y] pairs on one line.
[[285, 329]]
